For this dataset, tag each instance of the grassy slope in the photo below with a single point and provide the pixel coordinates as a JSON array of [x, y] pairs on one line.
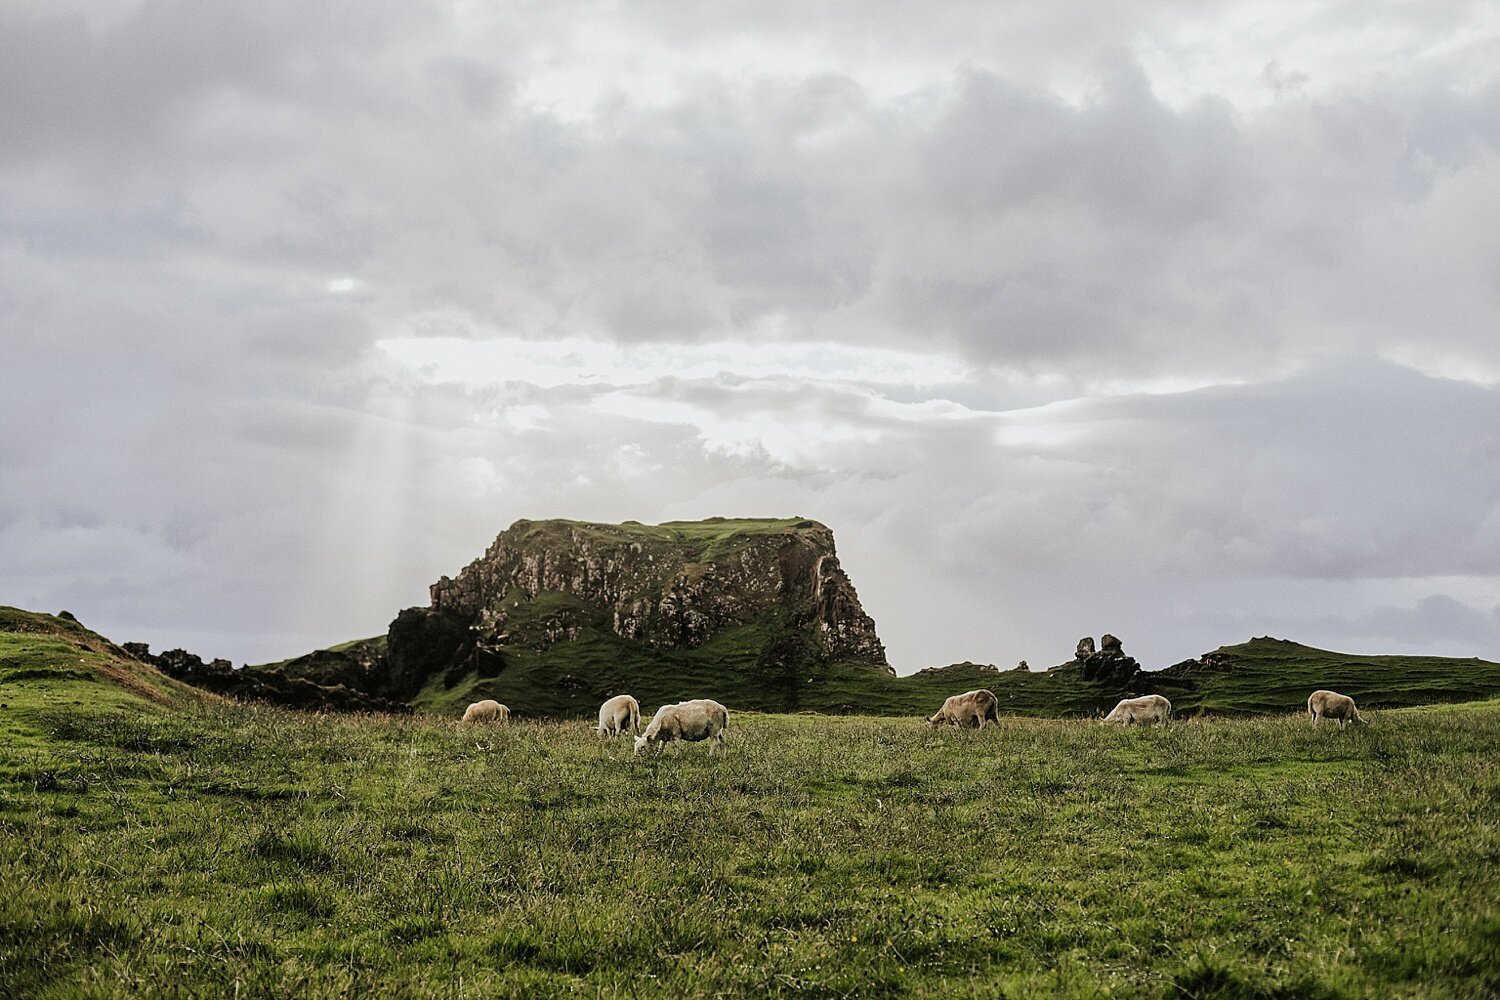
[[49, 663], [226, 850], [1269, 676], [1275, 675], [570, 681]]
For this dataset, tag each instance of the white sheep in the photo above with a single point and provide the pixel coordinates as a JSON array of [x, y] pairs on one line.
[[488, 710], [1332, 705], [619, 714], [972, 708], [1146, 708], [690, 721]]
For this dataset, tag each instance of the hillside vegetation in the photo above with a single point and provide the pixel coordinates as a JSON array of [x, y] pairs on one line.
[[53, 660], [228, 850], [1270, 675], [1261, 676]]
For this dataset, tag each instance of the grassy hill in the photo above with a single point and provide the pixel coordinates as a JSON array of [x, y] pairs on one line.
[[51, 661], [1277, 675], [1261, 676], [558, 615]]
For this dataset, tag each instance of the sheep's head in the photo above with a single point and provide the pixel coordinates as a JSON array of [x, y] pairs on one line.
[[640, 743]]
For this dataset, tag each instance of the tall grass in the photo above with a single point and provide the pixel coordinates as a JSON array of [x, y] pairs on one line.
[[227, 851]]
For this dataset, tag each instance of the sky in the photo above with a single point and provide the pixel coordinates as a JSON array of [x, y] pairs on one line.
[[1177, 321]]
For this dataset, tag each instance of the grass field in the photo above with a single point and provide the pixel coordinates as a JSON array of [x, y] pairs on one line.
[[220, 850]]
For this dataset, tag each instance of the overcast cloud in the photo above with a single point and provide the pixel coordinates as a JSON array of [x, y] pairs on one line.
[[1176, 321]]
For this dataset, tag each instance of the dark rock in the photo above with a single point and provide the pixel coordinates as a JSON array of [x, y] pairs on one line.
[[668, 592], [425, 642], [269, 684], [1212, 662], [1108, 664]]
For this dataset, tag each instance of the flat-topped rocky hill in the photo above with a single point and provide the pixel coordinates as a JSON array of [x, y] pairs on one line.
[[558, 614]]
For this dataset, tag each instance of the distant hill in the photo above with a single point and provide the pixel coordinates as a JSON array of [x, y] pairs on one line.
[[1275, 675], [49, 661]]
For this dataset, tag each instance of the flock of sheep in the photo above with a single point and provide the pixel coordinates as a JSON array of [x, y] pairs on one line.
[[975, 708], [690, 721], [705, 719]]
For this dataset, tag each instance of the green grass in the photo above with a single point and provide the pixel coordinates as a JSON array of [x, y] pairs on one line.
[[47, 660], [222, 850], [1275, 675], [1268, 677]]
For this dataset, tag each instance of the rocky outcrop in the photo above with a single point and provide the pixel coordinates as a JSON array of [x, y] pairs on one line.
[[1110, 665], [556, 614], [1106, 663], [671, 586], [271, 684], [1216, 661]]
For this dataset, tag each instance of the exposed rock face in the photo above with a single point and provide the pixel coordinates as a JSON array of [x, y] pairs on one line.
[[1107, 663], [269, 684], [559, 613], [672, 586], [1110, 665], [1215, 661]]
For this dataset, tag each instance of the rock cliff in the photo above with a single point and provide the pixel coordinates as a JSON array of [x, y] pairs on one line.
[[560, 608], [671, 586], [1108, 664]]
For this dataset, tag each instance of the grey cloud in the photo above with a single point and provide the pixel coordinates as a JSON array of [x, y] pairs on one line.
[[1439, 615]]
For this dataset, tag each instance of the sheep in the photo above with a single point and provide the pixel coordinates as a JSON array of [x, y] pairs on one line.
[[970, 708], [1332, 705], [486, 711], [619, 714], [690, 721], [1146, 708]]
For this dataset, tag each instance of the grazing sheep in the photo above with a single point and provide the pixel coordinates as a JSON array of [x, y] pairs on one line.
[[690, 721], [1146, 708], [619, 714], [970, 708], [486, 711], [1332, 705]]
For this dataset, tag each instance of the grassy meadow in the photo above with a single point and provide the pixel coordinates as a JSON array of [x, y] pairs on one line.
[[224, 850]]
